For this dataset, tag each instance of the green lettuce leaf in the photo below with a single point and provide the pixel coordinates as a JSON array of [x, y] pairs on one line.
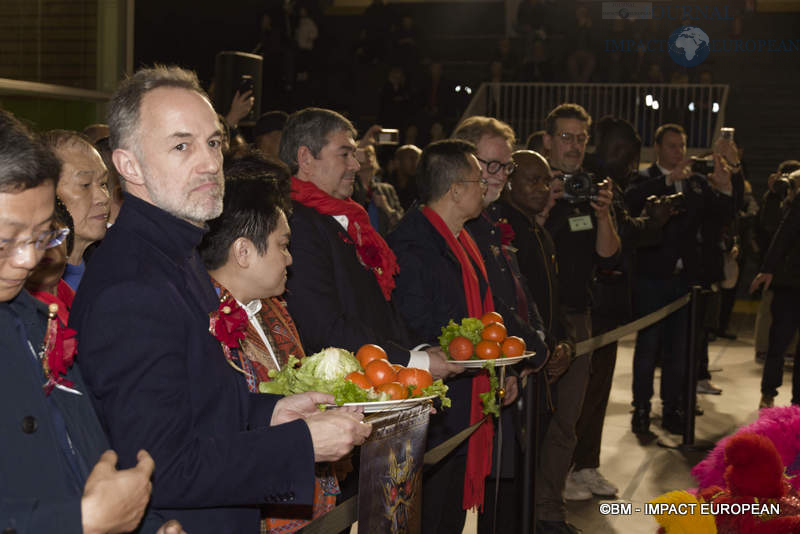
[[346, 391], [439, 389], [325, 372], [489, 398], [470, 328]]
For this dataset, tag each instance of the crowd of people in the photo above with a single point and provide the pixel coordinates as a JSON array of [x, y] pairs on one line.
[[122, 255], [391, 65]]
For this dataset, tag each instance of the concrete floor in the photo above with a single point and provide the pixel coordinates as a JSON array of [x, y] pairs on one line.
[[643, 471]]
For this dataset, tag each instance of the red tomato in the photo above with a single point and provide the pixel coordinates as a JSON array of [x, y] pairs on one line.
[[370, 352], [494, 332], [420, 378], [380, 372], [359, 379], [491, 317], [460, 348], [487, 350], [395, 390], [397, 367], [513, 346]]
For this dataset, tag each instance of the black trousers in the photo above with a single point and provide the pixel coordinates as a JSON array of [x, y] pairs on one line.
[[508, 507], [442, 495], [785, 322]]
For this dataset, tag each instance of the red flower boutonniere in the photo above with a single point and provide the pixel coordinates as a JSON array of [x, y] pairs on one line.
[[228, 324], [370, 256], [58, 351], [506, 232]]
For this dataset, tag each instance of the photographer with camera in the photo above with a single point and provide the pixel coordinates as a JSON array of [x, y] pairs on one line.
[[781, 272], [665, 271], [616, 156], [779, 185], [769, 218], [585, 238]]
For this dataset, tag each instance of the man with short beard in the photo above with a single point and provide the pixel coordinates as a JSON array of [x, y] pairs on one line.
[[158, 378]]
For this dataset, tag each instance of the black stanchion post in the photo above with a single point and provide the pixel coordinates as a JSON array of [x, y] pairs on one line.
[[528, 508], [690, 400]]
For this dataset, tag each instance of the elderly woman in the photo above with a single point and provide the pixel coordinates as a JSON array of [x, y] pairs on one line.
[[45, 281], [83, 189], [246, 252]]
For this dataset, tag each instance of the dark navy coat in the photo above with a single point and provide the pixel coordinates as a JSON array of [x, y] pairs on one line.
[[429, 293], [36, 492], [160, 381]]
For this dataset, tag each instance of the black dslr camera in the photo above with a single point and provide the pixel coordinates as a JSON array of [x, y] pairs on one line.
[[675, 203], [704, 165], [783, 185], [580, 187]]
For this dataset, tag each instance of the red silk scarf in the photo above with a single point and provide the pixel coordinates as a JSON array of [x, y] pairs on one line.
[[372, 250], [479, 448], [63, 297]]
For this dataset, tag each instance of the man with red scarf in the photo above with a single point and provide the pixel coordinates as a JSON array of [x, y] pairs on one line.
[[442, 277], [342, 277]]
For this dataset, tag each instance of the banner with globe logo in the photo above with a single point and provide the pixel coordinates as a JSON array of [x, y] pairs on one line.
[[688, 46]]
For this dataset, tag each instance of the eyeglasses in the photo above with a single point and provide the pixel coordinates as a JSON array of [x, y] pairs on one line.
[[46, 240], [483, 181], [568, 137], [494, 166]]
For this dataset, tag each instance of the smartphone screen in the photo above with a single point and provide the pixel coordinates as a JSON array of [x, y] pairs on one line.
[[726, 133], [389, 137], [245, 84]]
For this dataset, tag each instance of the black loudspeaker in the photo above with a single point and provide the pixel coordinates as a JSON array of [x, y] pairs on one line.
[[237, 71]]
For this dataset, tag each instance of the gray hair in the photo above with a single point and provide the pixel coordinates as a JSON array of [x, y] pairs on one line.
[[125, 105], [59, 140], [310, 127]]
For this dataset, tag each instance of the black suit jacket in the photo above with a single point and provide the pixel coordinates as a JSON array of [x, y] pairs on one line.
[[160, 381], [537, 259], [502, 267], [693, 235], [783, 256], [334, 300]]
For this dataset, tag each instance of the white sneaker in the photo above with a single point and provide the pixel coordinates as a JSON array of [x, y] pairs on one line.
[[591, 479], [576, 490]]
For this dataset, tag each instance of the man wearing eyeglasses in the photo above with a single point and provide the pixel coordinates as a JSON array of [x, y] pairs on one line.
[[442, 277], [512, 298], [51, 437], [585, 237]]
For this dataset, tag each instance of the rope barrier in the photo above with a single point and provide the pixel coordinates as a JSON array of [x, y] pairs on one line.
[[345, 514], [618, 333]]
